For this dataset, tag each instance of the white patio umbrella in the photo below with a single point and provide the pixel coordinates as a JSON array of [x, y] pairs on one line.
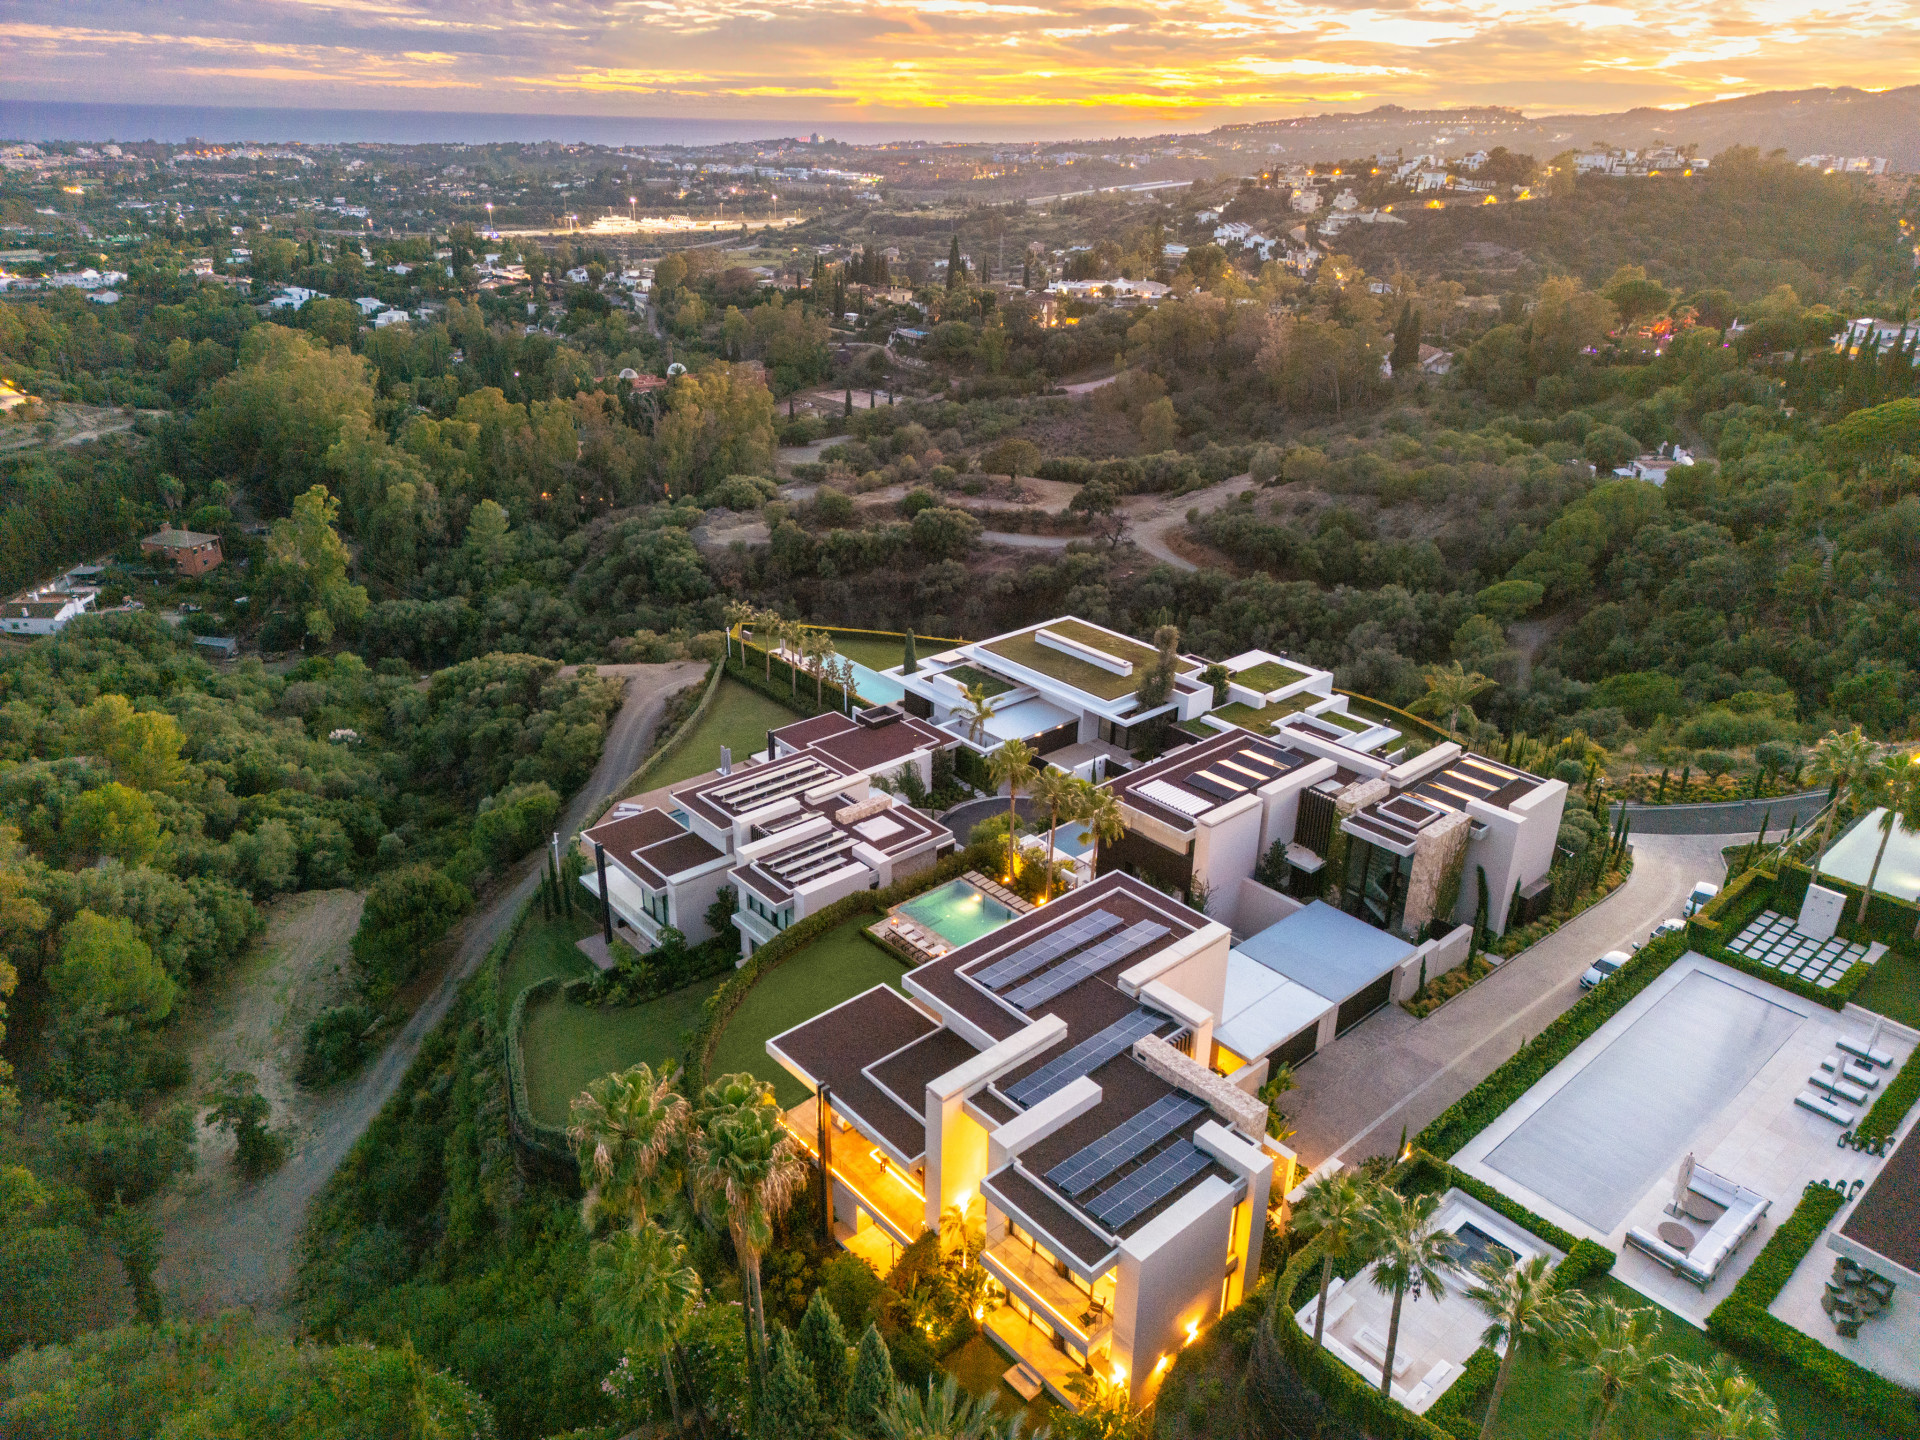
[[1682, 1181]]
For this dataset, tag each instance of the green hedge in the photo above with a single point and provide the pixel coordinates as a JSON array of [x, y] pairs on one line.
[[1424, 1172], [1482, 1105], [1889, 921], [1741, 1323], [1891, 1108], [1454, 1410], [550, 1140], [1586, 1261], [799, 694], [1744, 899], [720, 1005], [1342, 1389]]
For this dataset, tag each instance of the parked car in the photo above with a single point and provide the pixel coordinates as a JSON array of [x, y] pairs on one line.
[[1667, 927], [1602, 968], [1697, 901]]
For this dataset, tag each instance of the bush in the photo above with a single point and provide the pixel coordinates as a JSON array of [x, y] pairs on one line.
[[408, 911], [1742, 1324], [335, 1046], [1453, 1411], [516, 820], [1891, 1108]]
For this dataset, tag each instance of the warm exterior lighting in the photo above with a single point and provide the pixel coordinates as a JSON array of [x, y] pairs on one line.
[[1119, 1373], [1162, 1363], [1193, 1331]]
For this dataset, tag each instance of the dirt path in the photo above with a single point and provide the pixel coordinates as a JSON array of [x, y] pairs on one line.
[[229, 1244], [1150, 526]]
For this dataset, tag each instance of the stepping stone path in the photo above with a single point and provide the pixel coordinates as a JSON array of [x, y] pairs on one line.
[[1771, 940]]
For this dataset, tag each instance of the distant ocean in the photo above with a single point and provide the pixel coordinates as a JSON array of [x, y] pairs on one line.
[[38, 120]]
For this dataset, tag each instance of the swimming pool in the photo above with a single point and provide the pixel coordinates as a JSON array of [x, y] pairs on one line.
[[957, 912], [873, 687]]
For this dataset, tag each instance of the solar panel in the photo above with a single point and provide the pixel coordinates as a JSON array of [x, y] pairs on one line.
[[1088, 962], [1029, 958], [1258, 758], [1127, 1141], [1089, 1055], [1149, 1185], [1209, 784]]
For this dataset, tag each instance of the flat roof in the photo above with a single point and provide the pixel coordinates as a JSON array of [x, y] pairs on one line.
[[1887, 1218], [1328, 951], [1474, 777], [675, 856], [1263, 1008], [1195, 779], [835, 1047], [622, 837], [1023, 648], [1851, 857], [720, 798]]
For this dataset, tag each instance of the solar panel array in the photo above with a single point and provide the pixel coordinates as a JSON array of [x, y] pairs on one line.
[[1089, 1055], [1070, 973], [1208, 783], [1029, 958], [1149, 1185], [1127, 1141]]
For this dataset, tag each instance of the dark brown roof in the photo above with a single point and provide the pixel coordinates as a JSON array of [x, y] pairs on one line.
[[1887, 1219], [834, 1048], [1474, 777], [1058, 1227], [1224, 773], [675, 856], [802, 733], [907, 1073], [635, 832], [865, 746]]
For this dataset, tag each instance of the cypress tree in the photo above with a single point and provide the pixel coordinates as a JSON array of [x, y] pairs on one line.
[[823, 1345], [789, 1406], [910, 664], [953, 262], [872, 1385]]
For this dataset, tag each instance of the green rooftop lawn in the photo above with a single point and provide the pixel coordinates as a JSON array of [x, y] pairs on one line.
[[1352, 724], [839, 965], [1268, 675], [1265, 718], [971, 675], [567, 1045], [739, 717], [1024, 649], [1546, 1402]]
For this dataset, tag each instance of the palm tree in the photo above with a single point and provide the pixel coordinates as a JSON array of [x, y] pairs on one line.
[[982, 703], [1450, 691], [1099, 814], [642, 1289], [1012, 766], [768, 627], [625, 1129], [945, 1414], [747, 1168], [1613, 1345], [1057, 792], [1894, 783], [1840, 762], [1521, 1307], [1721, 1402], [1410, 1251], [739, 613], [1334, 1209], [820, 653]]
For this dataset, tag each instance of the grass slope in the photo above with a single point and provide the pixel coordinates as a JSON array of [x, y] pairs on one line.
[[739, 718], [566, 1045]]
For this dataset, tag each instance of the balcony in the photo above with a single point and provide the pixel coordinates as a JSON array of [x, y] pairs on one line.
[[893, 1200], [1058, 1301], [1028, 1344]]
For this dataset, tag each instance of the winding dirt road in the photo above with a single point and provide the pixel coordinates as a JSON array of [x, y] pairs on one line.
[[228, 1244]]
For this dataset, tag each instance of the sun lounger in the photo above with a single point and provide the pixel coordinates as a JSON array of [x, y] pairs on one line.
[[1858, 1071], [1837, 1088], [1865, 1051], [1823, 1107]]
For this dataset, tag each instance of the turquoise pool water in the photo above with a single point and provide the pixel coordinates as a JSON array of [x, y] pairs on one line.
[[875, 688], [957, 913]]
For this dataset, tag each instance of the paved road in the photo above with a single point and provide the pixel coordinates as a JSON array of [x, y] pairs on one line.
[[1725, 817], [243, 1254], [1393, 1070]]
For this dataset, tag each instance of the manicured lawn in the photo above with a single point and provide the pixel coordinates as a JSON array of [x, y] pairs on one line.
[[546, 947], [837, 966], [740, 718], [1544, 1402], [1893, 989], [567, 1045], [978, 1366], [1269, 675], [881, 652]]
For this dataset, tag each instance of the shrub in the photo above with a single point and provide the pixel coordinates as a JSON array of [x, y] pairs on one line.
[[1891, 1108], [515, 821], [408, 911], [1453, 1411], [334, 1046]]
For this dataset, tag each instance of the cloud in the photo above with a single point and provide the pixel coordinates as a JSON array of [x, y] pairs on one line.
[[1017, 60]]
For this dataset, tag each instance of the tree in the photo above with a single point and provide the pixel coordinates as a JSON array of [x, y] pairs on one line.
[[1012, 458], [872, 1385], [1335, 1209], [1450, 691], [944, 1414], [956, 267], [136, 1241], [106, 968], [1612, 1345], [1159, 426], [747, 1169], [1156, 681], [642, 1289], [1894, 782], [142, 746], [909, 662], [1721, 1402], [981, 708], [1411, 1253], [113, 820], [1012, 766], [1099, 814], [1057, 792], [1405, 358], [626, 1128], [1841, 763], [822, 1342], [790, 1406], [944, 533], [235, 1104], [717, 423], [307, 566], [407, 912], [1522, 1309]]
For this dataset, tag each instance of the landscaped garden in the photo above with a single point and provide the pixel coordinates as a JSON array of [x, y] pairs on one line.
[[837, 966], [739, 718], [568, 1044]]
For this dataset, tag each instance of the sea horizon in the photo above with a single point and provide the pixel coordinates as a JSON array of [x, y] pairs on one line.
[[85, 121]]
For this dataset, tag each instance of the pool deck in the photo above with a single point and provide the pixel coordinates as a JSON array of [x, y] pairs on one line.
[[917, 944], [1758, 1137]]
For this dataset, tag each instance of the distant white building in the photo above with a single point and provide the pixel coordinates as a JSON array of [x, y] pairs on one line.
[[1847, 164], [1305, 201], [1882, 335], [370, 304], [1654, 468], [46, 609], [292, 297]]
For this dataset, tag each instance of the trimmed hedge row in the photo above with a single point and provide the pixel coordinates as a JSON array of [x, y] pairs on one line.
[[1423, 1164], [549, 1140], [1482, 1105], [1729, 913], [1341, 1389], [1891, 1108], [1454, 1410], [720, 1005], [1741, 1323]]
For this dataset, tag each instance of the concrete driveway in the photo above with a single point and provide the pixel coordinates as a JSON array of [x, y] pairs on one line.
[[1393, 1070]]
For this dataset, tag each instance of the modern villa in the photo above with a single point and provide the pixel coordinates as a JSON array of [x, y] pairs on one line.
[[1042, 1077]]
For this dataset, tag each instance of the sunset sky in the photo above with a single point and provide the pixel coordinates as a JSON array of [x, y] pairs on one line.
[[1037, 66]]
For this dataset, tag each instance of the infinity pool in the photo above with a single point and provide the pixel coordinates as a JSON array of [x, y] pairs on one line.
[[957, 912], [875, 688]]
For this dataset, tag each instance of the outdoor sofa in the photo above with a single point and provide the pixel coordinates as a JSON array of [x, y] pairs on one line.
[[1708, 1255]]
